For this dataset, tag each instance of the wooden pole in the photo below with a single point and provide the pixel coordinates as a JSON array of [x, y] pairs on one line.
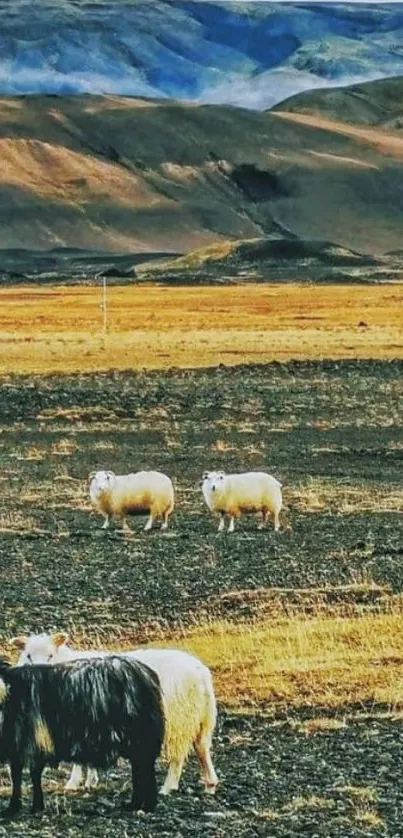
[[104, 306]]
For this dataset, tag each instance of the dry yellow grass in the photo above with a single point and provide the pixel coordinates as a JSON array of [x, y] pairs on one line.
[[60, 329], [316, 494], [319, 662], [323, 662]]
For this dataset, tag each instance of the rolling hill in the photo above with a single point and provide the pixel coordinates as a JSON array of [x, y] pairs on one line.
[[372, 103], [134, 175], [270, 259]]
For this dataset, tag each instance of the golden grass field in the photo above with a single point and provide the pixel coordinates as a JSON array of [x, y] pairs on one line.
[[59, 329], [331, 662]]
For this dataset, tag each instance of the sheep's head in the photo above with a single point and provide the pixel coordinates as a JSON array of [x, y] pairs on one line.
[[213, 479], [101, 481], [40, 648]]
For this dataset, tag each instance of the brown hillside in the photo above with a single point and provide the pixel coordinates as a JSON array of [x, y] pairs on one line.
[[122, 174]]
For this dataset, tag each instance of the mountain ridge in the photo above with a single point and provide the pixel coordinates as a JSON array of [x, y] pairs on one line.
[[251, 54]]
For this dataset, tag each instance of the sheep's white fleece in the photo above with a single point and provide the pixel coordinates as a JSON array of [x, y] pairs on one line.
[[188, 692], [232, 494], [118, 495]]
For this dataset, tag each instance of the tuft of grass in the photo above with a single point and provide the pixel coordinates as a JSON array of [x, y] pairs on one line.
[[338, 496], [298, 804], [34, 453], [369, 820], [321, 724], [220, 446], [76, 413], [16, 521], [64, 447]]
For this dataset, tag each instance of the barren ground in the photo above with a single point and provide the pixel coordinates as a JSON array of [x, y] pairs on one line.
[[301, 628]]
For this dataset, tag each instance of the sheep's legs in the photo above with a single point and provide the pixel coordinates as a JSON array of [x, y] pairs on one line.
[[144, 782], [276, 521], [231, 526], [172, 779], [164, 525], [92, 778], [105, 524], [222, 523], [264, 519], [76, 778], [202, 747], [149, 523], [14, 805], [37, 793], [125, 525]]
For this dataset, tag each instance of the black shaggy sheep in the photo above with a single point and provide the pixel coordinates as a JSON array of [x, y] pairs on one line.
[[88, 711]]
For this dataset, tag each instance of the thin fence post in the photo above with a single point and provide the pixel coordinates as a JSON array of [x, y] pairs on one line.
[[104, 307]]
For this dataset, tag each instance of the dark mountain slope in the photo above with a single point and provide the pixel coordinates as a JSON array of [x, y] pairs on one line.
[[133, 175]]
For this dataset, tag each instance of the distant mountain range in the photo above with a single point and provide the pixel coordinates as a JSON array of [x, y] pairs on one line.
[[250, 54], [199, 131]]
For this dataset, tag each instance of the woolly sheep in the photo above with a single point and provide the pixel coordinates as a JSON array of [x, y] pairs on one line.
[[118, 495], [190, 704], [92, 710], [232, 494]]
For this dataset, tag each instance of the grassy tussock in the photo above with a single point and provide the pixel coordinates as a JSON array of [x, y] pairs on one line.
[[360, 801]]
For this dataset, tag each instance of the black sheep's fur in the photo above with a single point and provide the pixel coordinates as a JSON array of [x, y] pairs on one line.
[[89, 711]]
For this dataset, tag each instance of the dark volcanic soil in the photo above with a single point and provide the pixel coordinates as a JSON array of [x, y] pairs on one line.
[[332, 433], [276, 782]]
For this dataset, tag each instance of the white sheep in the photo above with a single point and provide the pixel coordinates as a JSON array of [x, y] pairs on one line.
[[118, 495], [188, 692], [232, 494]]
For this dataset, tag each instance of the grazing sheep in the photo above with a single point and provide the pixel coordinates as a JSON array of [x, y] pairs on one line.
[[232, 494], [190, 704], [93, 711], [118, 495]]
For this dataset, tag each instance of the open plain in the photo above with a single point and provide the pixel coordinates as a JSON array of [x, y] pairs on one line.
[[60, 329], [303, 628]]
